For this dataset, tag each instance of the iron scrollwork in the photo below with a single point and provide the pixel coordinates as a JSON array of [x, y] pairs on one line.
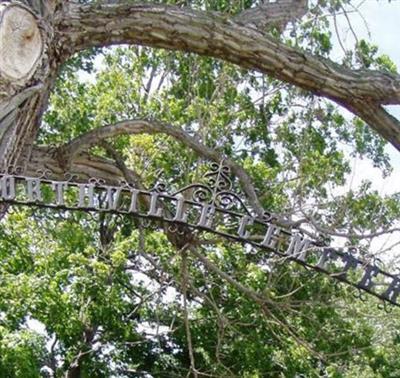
[[212, 206]]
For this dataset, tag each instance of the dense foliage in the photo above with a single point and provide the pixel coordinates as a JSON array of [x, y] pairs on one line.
[[91, 295]]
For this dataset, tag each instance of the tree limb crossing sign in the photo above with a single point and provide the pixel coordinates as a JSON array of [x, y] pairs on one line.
[[212, 207]]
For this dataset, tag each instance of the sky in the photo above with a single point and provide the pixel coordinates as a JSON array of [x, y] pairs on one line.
[[378, 22], [383, 26]]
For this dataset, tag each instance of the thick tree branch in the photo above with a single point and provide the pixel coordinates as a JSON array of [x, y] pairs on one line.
[[95, 136], [277, 14], [131, 176], [379, 119], [84, 166], [188, 30], [184, 29]]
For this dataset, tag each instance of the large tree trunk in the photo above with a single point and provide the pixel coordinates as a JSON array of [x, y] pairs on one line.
[[36, 36], [27, 72]]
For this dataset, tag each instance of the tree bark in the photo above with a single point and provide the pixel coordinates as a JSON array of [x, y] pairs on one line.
[[213, 35], [51, 31], [84, 166], [28, 67]]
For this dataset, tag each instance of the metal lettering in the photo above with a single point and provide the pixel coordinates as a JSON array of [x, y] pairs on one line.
[[271, 237], [393, 290], [366, 281], [298, 247], [244, 222], [206, 216], [154, 211], [86, 195], [350, 262], [180, 215], [7, 186], [327, 255], [113, 196], [134, 197], [59, 188], [33, 191]]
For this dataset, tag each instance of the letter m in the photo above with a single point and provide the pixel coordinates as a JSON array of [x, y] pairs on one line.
[[298, 247]]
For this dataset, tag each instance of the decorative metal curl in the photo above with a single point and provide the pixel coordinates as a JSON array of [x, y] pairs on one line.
[[43, 173], [225, 200], [96, 181], [122, 220], [212, 207], [159, 187], [69, 177], [12, 170], [125, 185], [218, 177], [267, 217], [173, 228], [202, 194], [176, 229], [216, 191], [388, 308]]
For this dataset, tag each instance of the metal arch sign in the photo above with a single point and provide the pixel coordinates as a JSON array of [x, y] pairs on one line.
[[211, 207]]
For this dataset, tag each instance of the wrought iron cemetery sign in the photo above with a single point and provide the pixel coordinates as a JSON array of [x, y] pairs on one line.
[[211, 206]]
